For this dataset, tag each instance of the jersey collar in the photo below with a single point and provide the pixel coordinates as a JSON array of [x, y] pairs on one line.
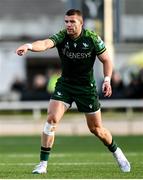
[[78, 36]]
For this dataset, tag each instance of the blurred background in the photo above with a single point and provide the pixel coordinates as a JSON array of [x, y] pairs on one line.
[[26, 83]]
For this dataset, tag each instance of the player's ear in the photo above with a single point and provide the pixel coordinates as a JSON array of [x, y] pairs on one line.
[[81, 20]]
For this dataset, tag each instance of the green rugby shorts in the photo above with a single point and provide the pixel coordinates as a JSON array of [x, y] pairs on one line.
[[85, 97]]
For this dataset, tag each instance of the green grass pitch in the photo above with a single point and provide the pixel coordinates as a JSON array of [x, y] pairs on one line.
[[72, 157]]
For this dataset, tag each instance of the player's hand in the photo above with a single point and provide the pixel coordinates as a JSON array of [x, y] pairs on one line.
[[106, 89], [22, 50]]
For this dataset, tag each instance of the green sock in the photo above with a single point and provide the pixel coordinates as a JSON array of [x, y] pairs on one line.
[[113, 146], [44, 153]]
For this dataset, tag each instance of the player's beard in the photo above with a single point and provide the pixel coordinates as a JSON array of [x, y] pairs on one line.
[[72, 32]]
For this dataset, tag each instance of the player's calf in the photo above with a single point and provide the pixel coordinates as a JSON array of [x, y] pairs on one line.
[[49, 131]]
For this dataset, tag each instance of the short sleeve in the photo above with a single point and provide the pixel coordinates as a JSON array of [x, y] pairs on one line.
[[99, 44], [58, 38]]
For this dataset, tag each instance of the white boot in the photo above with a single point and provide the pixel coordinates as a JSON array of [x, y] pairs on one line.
[[41, 168], [122, 161]]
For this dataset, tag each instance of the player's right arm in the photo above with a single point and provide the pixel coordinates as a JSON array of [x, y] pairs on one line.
[[36, 46]]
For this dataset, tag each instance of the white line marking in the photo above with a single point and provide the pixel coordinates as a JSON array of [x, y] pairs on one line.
[[60, 164], [31, 155]]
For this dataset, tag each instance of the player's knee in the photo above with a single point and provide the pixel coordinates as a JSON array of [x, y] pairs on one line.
[[50, 125], [97, 131], [49, 129], [52, 119]]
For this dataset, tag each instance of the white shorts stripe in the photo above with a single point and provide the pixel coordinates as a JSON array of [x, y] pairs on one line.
[[93, 112]]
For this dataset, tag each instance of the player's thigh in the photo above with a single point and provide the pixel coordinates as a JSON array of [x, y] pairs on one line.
[[56, 110], [94, 119], [62, 93], [87, 102]]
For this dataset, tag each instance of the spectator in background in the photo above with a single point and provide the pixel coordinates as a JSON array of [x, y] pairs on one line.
[[118, 88], [53, 76], [39, 91], [18, 88], [19, 85], [133, 89], [39, 83], [141, 83]]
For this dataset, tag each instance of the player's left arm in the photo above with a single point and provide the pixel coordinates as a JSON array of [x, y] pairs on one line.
[[107, 70]]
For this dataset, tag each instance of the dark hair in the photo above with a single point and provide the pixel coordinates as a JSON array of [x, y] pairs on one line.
[[71, 12]]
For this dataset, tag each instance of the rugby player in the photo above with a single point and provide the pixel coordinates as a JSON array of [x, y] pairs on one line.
[[77, 48]]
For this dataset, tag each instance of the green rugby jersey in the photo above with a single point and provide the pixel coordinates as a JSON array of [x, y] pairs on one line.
[[78, 55]]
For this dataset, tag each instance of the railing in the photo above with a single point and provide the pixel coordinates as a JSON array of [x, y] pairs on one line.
[[38, 106]]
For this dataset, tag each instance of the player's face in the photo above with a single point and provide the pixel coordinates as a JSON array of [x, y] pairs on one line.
[[73, 25]]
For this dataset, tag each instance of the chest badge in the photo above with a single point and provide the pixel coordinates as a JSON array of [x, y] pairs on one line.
[[85, 45]]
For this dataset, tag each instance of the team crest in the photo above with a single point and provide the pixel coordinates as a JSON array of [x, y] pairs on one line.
[[85, 45]]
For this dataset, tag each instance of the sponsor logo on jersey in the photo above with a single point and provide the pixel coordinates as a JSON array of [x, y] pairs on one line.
[[76, 55]]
